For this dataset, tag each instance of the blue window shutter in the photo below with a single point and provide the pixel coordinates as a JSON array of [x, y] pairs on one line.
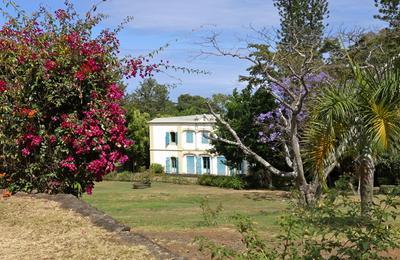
[[177, 164], [232, 170], [204, 139], [189, 137], [166, 138], [198, 165], [176, 138], [221, 165], [190, 164], [168, 165], [240, 167]]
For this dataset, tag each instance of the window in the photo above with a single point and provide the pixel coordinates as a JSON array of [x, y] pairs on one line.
[[174, 165], [206, 165], [173, 137], [189, 137], [204, 137]]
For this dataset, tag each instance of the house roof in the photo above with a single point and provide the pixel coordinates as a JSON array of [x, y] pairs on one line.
[[205, 118]]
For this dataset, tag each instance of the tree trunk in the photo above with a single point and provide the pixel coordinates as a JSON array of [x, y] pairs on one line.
[[366, 173]]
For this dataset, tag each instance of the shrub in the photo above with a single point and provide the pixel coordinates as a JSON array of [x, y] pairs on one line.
[[231, 182], [142, 169], [157, 168], [332, 229], [119, 176], [62, 125], [389, 189], [176, 179]]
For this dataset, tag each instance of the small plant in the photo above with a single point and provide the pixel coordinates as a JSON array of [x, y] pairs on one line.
[[210, 215], [229, 182], [332, 229], [256, 248], [156, 168]]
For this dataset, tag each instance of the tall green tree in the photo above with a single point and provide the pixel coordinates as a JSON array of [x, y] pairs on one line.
[[152, 98], [389, 11], [302, 22], [138, 130], [194, 105], [191, 105]]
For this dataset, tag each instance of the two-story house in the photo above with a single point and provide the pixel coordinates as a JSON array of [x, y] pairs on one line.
[[181, 145]]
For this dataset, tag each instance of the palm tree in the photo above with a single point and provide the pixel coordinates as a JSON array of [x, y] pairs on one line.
[[361, 118]]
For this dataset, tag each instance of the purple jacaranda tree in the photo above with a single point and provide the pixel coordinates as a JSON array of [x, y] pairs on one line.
[[293, 78]]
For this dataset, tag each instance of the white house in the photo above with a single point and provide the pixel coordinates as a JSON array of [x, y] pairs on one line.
[[181, 145]]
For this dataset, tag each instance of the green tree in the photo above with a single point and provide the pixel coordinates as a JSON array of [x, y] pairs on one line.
[[219, 102], [389, 11], [241, 111], [152, 98], [191, 105], [361, 118], [138, 130], [194, 105], [292, 73], [302, 22]]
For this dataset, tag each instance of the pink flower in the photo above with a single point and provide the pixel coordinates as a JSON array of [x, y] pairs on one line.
[[89, 189], [52, 139], [50, 65], [61, 14], [123, 159], [36, 140], [114, 92], [79, 75], [3, 86], [69, 163], [26, 152]]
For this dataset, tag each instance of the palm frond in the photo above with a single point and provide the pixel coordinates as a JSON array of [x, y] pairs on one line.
[[331, 118]]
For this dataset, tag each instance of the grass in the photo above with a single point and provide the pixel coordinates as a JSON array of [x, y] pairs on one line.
[[40, 229], [169, 207]]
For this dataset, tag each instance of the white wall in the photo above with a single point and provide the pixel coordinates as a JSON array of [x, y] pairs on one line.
[[159, 151]]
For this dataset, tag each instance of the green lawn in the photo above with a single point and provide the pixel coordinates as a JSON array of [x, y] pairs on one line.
[[167, 206]]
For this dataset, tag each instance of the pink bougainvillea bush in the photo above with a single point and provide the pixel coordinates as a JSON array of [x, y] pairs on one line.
[[61, 123]]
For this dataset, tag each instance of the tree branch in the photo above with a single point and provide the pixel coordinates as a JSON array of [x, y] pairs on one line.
[[246, 149]]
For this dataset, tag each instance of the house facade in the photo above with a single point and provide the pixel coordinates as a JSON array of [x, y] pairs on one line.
[[181, 145]]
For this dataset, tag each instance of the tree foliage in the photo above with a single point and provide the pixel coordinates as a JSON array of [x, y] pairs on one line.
[[360, 118], [152, 98], [389, 11], [62, 126], [302, 22], [138, 130]]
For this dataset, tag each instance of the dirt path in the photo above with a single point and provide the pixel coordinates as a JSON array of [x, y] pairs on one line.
[[182, 242], [61, 227]]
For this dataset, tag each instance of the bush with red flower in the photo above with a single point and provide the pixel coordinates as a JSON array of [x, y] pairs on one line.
[[61, 123]]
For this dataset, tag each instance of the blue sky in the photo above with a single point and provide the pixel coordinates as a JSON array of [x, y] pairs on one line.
[[185, 23]]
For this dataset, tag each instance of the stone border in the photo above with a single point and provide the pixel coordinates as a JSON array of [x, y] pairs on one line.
[[100, 219]]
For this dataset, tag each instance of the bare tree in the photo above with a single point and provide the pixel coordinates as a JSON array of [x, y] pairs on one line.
[[292, 78]]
